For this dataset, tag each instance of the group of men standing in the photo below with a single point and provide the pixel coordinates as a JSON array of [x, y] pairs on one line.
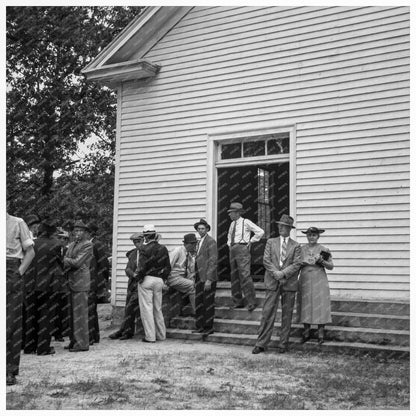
[[52, 288]]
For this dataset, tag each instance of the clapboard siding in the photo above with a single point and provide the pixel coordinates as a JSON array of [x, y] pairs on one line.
[[339, 74]]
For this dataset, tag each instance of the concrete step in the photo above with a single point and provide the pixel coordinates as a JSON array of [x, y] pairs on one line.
[[380, 307], [332, 332], [350, 319], [295, 344]]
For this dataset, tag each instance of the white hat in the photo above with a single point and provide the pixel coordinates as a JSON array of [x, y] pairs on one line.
[[149, 229]]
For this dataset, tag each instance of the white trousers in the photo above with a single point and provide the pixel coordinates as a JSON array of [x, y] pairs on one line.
[[150, 302]]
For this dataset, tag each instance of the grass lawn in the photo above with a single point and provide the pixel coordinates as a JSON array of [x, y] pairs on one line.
[[177, 374]]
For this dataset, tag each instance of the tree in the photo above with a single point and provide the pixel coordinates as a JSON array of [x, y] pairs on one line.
[[51, 108]]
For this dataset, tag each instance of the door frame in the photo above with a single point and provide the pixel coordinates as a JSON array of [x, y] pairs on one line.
[[213, 163]]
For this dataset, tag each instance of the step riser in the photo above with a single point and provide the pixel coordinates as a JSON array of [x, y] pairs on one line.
[[309, 346], [330, 334], [383, 308], [344, 320]]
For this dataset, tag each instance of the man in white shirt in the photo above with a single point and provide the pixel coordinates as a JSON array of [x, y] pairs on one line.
[[239, 241], [182, 262]]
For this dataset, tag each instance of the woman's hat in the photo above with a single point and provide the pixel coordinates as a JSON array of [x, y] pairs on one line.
[[149, 229], [235, 207], [286, 220], [189, 238], [313, 230], [202, 222]]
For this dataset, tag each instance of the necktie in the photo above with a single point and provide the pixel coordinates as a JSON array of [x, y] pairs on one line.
[[233, 232], [186, 266], [283, 254]]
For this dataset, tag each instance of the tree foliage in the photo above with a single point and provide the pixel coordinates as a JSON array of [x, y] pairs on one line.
[[51, 109]]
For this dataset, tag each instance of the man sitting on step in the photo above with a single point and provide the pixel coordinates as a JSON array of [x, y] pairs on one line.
[[182, 261]]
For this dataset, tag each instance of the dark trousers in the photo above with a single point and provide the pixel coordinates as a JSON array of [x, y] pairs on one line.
[[93, 326], [269, 315], [204, 305], [43, 313], [29, 321], [60, 314], [79, 320], [14, 300], [131, 311], [241, 281]]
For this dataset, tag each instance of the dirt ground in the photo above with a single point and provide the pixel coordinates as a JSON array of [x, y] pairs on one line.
[[177, 374]]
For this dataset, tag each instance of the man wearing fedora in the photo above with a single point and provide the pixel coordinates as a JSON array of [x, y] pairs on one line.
[[77, 263], [239, 241], [282, 262], [154, 268], [131, 310], [205, 279], [182, 263]]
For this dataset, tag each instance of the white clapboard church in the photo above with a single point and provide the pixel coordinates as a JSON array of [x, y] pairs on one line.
[[299, 110]]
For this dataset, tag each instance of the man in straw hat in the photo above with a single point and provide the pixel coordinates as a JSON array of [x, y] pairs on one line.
[[154, 269], [282, 262], [239, 240], [77, 263]]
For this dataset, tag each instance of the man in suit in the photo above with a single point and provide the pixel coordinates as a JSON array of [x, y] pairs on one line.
[[282, 262], [205, 279], [77, 263], [131, 311]]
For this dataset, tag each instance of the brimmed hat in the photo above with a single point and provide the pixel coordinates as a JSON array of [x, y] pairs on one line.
[[48, 226], [286, 220], [93, 227], [32, 219], [81, 224], [189, 238], [235, 206], [313, 230], [202, 222], [149, 229], [136, 236]]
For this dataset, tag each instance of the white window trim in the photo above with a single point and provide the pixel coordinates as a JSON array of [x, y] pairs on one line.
[[214, 162]]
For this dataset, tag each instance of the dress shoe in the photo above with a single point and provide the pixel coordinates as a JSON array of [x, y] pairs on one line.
[[198, 331], [146, 340], [96, 340], [208, 332], [305, 338], [239, 306], [115, 335], [320, 341], [10, 379], [69, 346], [78, 349], [49, 352], [91, 342], [59, 339], [251, 307], [281, 350], [125, 336], [257, 350], [29, 351]]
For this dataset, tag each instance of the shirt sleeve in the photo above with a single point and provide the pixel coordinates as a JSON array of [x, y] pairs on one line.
[[174, 255], [258, 232], [25, 237], [229, 235]]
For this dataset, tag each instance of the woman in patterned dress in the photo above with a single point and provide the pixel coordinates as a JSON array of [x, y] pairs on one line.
[[314, 289]]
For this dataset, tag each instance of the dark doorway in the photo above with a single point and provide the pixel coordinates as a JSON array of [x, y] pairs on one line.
[[264, 192]]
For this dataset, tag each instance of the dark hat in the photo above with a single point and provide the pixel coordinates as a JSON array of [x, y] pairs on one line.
[[313, 230], [136, 236], [286, 220], [202, 222], [235, 206], [32, 219], [93, 227], [47, 226], [189, 238], [80, 224]]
